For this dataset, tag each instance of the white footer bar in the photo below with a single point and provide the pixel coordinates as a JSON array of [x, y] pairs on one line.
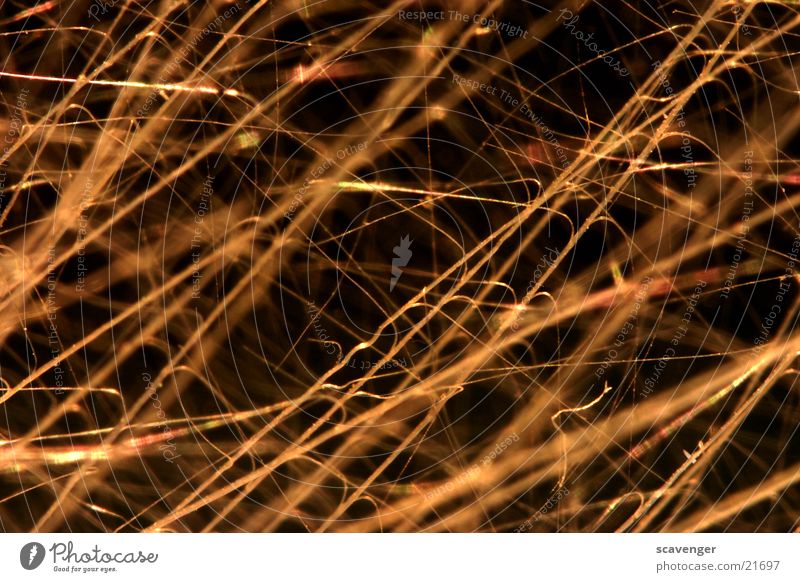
[[400, 557]]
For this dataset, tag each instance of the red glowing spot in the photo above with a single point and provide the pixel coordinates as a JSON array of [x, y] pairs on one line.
[[791, 179], [325, 71], [536, 153]]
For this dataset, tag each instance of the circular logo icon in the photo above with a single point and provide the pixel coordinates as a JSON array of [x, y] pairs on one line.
[[31, 555]]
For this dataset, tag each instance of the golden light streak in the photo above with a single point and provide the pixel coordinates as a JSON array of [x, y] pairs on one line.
[[127, 84], [38, 9], [382, 187]]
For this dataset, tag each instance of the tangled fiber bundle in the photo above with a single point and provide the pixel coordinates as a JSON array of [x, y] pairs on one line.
[[343, 266]]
